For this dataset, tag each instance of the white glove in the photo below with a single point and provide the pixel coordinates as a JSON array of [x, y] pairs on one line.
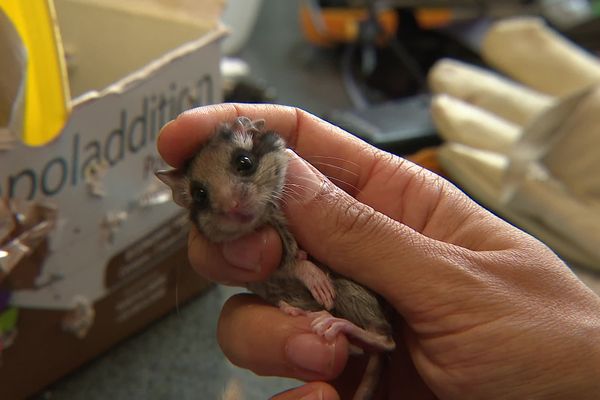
[[531, 151]]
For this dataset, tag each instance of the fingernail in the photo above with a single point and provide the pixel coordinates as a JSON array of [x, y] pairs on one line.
[[307, 392], [316, 395], [309, 352], [246, 253], [304, 183], [164, 127]]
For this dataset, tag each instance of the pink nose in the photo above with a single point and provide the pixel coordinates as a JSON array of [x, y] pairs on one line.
[[234, 205]]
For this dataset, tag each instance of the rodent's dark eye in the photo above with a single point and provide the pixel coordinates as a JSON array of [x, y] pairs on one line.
[[199, 194], [244, 163]]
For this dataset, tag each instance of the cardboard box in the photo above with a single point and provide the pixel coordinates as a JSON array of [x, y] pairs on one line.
[[107, 252]]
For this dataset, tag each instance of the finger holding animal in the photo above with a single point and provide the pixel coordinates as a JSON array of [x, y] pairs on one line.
[[180, 139], [259, 337], [251, 258], [463, 280], [391, 190], [338, 154], [234, 185], [391, 185]]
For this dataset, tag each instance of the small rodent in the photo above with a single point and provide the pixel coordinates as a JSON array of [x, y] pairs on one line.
[[234, 185]]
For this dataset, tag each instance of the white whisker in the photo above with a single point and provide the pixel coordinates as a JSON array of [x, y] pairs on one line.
[[337, 167], [291, 190], [334, 159], [290, 193], [339, 182], [335, 180]]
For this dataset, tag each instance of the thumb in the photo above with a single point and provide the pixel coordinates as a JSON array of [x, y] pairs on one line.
[[361, 243]]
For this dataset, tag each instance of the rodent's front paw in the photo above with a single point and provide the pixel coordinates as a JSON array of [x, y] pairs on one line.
[[318, 283]]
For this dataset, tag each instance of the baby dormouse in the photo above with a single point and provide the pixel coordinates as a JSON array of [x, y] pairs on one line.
[[230, 186], [234, 185]]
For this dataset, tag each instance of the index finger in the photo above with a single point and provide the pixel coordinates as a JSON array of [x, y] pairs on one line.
[[257, 336], [312, 138], [389, 184]]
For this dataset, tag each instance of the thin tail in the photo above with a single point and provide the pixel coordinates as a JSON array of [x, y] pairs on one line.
[[371, 378]]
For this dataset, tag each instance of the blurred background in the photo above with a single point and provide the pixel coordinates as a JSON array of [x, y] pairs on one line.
[[484, 93]]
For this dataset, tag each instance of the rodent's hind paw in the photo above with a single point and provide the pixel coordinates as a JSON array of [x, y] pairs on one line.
[[327, 326]]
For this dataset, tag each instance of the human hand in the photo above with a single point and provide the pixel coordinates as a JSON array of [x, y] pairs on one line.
[[488, 311]]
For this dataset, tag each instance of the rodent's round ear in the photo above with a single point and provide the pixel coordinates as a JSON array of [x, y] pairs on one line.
[[242, 123], [246, 124], [258, 124], [176, 180]]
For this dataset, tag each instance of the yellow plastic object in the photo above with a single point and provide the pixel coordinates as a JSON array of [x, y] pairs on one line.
[[47, 100]]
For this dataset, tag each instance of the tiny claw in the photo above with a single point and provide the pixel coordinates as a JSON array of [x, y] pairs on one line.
[[301, 255], [290, 310]]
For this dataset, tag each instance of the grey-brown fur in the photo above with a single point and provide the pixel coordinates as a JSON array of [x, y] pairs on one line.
[[213, 168]]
